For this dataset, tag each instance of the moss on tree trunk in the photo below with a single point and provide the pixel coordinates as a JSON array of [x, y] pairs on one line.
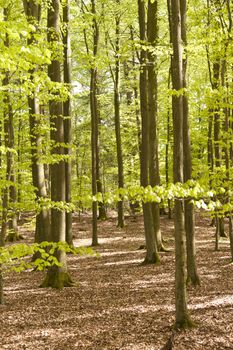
[[57, 279]]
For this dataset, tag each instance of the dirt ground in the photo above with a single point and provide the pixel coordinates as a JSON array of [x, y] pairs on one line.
[[119, 303]]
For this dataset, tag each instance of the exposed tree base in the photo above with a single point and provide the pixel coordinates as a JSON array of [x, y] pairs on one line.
[[57, 280], [169, 344], [187, 323], [154, 259], [102, 218], [95, 244], [102, 214], [193, 281], [223, 234], [164, 249], [14, 237]]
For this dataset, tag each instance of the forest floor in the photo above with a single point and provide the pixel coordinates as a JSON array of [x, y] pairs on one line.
[[119, 303]]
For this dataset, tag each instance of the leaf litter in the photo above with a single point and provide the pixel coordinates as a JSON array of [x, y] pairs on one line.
[[120, 304]]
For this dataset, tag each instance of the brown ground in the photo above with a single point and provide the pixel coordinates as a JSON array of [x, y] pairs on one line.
[[120, 304]]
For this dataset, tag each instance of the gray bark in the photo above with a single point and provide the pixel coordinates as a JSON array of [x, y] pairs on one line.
[[151, 246]]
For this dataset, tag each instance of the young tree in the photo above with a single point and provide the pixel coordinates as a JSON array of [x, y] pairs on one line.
[[182, 316], [117, 116], [10, 192], [154, 176], [32, 11], [192, 275], [67, 113], [151, 246]]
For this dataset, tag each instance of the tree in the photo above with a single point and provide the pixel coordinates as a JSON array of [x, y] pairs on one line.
[[192, 275], [32, 11], [10, 192], [182, 316], [67, 114], [57, 276], [152, 85], [116, 80], [151, 246]]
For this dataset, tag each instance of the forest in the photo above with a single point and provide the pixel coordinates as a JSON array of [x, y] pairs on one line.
[[116, 174]]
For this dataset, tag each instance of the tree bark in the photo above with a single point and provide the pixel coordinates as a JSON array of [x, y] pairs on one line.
[[67, 115], [182, 316], [32, 11], [168, 147], [192, 275], [10, 193], [117, 120], [57, 276], [154, 176], [151, 246], [94, 124]]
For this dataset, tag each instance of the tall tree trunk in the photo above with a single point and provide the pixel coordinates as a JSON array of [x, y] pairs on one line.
[[2, 236], [94, 158], [19, 173], [10, 195], [154, 176], [117, 120], [151, 246], [192, 275], [1, 288], [94, 124], [168, 146], [67, 114], [57, 276], [135, 91], [32, 11], [182, 316]]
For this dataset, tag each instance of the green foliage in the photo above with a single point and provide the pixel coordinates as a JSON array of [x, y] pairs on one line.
[[16, 257]]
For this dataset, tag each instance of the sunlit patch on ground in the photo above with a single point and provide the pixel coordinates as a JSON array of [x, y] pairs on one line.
[[118, 303]]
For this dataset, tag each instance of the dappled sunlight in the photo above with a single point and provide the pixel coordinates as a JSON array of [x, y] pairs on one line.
[[155, 280], [203, 241], [125, 262], [38, 337], [147, 308], [119, 253], [139, 346], [22, 290], [118, 302], [216, 302], [87, 241]]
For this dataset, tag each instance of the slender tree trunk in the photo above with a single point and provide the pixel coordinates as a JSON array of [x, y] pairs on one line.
[[102, 210], [19, 173], [231, 234], [67, 115], [57, 276], [154, 176], [192, 275], [217, 137], [2, 239], [94, 158], [151, 246], [1, 288], [10, 195], [32, 11], [136, 97], [42, 232], [117, 121], [182, 316], [94, 125], [168, 146]]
